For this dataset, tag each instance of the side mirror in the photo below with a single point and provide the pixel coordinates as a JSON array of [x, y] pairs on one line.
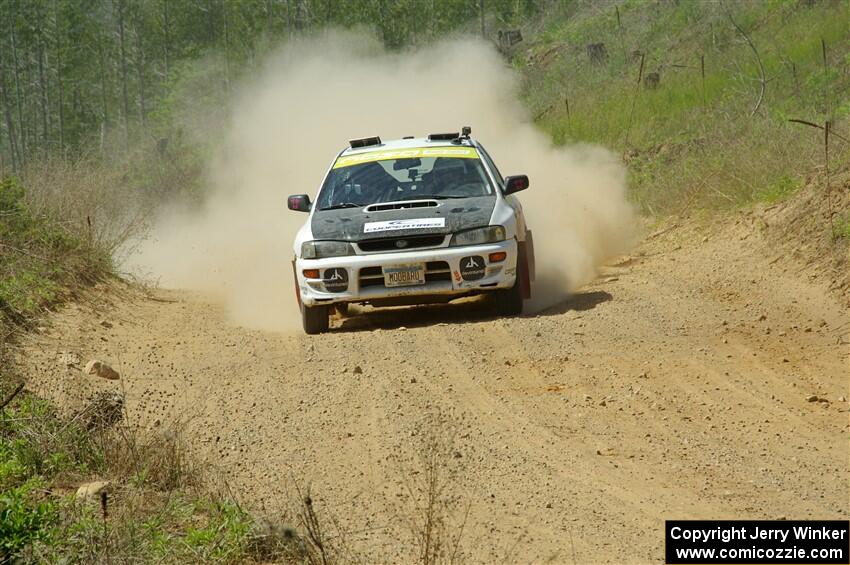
[[299, 203], [515, 184]]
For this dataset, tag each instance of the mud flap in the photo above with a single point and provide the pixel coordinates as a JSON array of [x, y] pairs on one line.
[[295, 278], [524, 262]]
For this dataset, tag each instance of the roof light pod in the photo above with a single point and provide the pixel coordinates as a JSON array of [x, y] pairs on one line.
[[454, 137], [365, 142], [442, 136]]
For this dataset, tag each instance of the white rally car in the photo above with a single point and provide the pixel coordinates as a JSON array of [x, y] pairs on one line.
[[411, 221]]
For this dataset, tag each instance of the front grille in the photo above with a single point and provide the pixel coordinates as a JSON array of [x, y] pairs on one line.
[[392, 243], [434, 271]]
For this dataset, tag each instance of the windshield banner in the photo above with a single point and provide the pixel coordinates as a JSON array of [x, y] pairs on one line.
[[414, 152]]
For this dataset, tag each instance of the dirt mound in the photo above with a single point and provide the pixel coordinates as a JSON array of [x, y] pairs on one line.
[[803, 232]]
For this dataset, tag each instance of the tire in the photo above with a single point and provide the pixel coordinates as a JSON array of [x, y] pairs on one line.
[[509, 300], [314, 319]]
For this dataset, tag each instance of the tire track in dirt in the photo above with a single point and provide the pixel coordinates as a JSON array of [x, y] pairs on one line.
[[595, 480]]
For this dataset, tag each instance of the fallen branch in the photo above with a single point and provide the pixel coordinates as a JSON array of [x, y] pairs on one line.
[[820, 127], [543, 112], [661, 232], [11, 397], [723, 194]]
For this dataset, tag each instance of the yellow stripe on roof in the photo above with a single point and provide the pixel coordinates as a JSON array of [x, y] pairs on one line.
[[371, 156]]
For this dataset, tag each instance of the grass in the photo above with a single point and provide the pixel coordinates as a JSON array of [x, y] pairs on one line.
[[156, 509], [779, 190], [41, 261], [436, 526], [691, 144], [841, 227]]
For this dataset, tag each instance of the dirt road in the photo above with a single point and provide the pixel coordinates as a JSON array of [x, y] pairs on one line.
[[675, 386]]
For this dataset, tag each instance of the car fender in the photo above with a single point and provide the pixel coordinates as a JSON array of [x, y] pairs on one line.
[[505, 215], [304, 234]]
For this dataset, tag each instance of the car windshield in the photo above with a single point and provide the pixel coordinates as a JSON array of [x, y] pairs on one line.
[[352, 185]]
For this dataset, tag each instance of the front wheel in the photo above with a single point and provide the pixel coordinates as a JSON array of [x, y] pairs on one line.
[[314, 319], [509, 300]]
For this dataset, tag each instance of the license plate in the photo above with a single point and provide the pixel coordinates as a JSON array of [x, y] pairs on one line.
[[404, 275]]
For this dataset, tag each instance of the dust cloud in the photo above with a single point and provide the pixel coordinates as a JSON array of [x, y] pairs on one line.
[[290, 120]]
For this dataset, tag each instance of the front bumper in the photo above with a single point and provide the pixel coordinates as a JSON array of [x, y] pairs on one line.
[[442, 274]]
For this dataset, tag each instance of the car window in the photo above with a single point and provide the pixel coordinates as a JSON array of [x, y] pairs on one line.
[[392, 180], [491, 165]]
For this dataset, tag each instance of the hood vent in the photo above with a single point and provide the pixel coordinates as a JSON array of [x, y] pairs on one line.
[[401, 205]]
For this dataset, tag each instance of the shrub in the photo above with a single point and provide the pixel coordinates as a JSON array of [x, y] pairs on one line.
[[23, 521]]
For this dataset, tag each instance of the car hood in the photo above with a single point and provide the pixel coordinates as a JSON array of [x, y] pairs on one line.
[[450, 216]]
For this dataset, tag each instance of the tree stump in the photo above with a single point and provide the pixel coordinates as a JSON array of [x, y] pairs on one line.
[[508, 38], [651, 80], [596, 53], [104, 410]]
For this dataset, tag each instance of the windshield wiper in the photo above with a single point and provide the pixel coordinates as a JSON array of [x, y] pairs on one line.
[[446, 196], [342, 205]]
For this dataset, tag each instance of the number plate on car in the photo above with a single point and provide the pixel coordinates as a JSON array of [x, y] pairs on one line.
[[404, 275]]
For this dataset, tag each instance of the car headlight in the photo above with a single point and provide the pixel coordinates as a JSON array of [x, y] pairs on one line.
[[490, 234], [322, 249]]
